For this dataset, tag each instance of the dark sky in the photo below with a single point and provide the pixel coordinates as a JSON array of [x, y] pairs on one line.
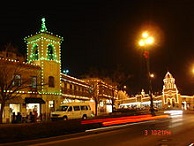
[[103, 34]]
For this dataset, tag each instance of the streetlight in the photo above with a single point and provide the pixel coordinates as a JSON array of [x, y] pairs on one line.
[[152, 75], [146, 41], [66, 71], [192, 70]]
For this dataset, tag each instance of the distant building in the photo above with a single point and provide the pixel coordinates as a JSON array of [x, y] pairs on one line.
[[170, 98], [102, 93], [10, 52], [170, 95]]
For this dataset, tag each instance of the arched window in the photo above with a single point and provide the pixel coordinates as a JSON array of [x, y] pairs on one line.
[[50, 53], [34, 55], [51, 81]]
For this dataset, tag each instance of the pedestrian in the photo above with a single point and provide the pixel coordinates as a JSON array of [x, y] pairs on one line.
[[18, 118], [13, 118]]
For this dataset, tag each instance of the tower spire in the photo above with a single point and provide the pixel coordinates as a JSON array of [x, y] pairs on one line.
[[43, 26]]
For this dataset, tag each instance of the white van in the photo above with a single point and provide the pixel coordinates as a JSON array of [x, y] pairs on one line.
[[74, 110]]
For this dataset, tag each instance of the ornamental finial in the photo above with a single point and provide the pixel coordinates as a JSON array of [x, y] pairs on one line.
[[43, 26]]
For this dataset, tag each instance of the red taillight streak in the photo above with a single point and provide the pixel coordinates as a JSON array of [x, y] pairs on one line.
[[113, 119], [124, 121], [107, 123]]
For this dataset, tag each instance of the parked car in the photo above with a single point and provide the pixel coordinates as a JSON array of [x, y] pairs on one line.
[[74, 110]]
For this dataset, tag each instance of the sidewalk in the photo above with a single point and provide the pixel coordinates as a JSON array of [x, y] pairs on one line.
[[188, 111]]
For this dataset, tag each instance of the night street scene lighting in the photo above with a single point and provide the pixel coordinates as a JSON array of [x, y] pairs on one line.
[[66, 71], [145, 42]]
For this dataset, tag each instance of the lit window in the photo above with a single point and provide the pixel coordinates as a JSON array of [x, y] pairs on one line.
[[51, 103]]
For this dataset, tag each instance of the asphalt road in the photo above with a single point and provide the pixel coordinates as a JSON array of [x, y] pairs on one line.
[[173, 131]]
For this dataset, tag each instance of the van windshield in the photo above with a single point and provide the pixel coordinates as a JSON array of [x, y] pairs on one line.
[[62, 108]]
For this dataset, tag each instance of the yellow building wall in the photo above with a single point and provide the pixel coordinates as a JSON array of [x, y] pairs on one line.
[[51, 68]]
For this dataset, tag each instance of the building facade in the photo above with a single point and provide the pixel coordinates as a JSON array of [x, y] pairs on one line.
[[19, 87], [103, 94], [51, 87], [170, 98]]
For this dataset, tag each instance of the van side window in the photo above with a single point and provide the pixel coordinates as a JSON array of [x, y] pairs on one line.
[[63, 108], [70, 109], [76, 108], [89, 108], [84, 107]]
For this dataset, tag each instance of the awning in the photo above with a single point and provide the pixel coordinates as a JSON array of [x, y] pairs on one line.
[[34, 100]]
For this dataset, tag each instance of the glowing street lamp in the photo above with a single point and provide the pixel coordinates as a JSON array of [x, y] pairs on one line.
[[146, 41], [152, 75], [193, 70], [66, 71]]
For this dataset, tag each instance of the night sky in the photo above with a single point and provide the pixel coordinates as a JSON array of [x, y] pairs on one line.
[[104, 34]]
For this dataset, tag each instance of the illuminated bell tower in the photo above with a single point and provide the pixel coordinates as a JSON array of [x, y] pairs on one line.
[[43, 49], [171, 97]]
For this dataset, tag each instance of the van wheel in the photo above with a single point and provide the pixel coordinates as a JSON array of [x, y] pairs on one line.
[[84, 117], [65, 118]]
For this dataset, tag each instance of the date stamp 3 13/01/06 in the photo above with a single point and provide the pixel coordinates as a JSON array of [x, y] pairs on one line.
[[157, 132]]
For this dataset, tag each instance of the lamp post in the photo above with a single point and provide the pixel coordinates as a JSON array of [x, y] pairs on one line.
[[145, 42]]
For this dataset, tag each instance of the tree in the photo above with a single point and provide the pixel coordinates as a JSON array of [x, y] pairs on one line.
[[116, 78], [93, 93], [15, 76], [93, 73]]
